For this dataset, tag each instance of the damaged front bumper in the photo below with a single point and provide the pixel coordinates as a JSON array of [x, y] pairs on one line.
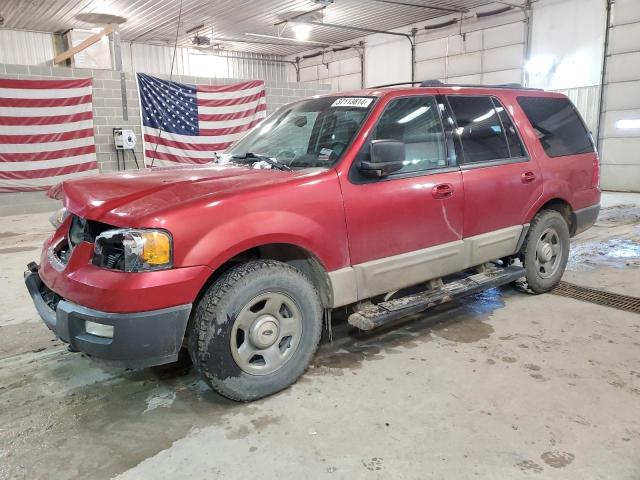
[[137, 340]]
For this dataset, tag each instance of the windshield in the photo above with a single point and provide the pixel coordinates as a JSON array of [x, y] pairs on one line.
[[310, 133]]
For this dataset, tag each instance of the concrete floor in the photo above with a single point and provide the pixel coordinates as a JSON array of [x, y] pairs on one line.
[[504, 386]]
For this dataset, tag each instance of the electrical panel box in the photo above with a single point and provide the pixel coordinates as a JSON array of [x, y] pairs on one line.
[[124, 139]]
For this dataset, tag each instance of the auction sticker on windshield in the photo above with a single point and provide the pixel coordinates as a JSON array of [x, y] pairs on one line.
[[360, 102]]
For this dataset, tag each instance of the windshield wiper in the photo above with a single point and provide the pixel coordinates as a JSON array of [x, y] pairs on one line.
[[251, 155]]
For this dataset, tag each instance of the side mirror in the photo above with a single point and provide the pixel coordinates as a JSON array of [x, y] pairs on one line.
[[387, 156]]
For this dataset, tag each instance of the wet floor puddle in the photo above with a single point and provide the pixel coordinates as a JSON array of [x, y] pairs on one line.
[[463, 321], [104, 428], [615, 253], [614, 216], [65, 414]]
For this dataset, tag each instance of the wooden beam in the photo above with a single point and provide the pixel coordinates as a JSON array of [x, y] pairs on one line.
[[86, 43]]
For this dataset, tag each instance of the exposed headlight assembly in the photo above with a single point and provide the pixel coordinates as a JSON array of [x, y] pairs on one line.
[[132, 250], [59, 217]]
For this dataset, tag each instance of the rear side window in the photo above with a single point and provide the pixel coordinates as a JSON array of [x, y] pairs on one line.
[[416, 122], [485, 129], [557, 125]]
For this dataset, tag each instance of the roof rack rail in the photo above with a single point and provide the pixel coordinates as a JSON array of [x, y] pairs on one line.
[[395, 84], [438, 83]]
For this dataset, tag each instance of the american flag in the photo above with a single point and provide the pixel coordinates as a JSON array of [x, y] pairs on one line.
[[46, 133], [185, 123]]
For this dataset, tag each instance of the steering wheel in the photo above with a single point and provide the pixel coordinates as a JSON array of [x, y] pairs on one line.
[[286, 154], [338, 147]]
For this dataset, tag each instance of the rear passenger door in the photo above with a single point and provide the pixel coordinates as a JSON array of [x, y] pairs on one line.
[[500, 180], [565, 149]]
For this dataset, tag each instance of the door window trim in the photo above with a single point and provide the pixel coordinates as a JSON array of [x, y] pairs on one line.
[[451, 155], [467, 165]]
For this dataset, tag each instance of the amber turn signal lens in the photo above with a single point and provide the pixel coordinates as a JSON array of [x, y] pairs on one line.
[[157, 248]]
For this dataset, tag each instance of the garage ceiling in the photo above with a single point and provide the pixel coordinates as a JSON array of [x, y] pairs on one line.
[[154, 21]]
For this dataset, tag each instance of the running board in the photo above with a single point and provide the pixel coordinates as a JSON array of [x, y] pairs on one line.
[[374, 316]]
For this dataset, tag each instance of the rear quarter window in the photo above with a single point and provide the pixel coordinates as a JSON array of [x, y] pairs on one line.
[[557, 125]]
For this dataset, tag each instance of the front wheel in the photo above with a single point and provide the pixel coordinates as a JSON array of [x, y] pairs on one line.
[[256, 329], [546, 251]]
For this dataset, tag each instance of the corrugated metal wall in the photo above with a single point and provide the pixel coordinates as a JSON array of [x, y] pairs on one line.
[[153, 59], [193, 62], [19, 47], [254, 65], [25, 48], [587, 101]]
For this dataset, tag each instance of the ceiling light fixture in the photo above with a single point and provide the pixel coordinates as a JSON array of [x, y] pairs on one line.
[[100, 18], [301, 30], [629, 124]]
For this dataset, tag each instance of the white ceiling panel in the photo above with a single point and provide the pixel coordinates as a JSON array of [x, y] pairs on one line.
[[228, 21]]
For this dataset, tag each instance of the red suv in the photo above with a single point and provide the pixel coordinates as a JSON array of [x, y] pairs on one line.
[[388, 199]]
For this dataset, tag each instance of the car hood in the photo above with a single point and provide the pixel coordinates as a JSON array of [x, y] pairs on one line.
[[125, 198]]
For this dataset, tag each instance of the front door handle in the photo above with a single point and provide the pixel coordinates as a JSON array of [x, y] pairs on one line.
[[443, 190], [528, 177]]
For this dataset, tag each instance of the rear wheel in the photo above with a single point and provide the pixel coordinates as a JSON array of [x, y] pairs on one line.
[[256, 329], [546, 251]]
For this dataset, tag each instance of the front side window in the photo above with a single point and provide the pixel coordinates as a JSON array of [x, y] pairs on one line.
[[309, 133], [557, 125], [480, 129], [415, 121]]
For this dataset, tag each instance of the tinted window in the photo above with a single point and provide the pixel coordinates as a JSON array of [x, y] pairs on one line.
[[557, 125], [479, 129], [516, 149], [416, 122]]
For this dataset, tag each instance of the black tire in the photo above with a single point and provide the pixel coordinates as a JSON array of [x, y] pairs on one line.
[[219, 309], [538, 279]]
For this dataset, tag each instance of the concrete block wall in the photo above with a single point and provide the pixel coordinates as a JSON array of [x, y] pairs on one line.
[[108, 114]]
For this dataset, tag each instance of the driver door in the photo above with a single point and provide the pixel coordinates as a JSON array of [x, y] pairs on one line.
[[406, 228]]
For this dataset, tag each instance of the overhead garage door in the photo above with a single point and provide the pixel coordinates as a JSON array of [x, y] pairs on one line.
[[620, 130], [491, 54], [341, 69]]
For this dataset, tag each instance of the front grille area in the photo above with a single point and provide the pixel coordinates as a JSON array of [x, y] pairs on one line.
[[607, 299], [49, 296]]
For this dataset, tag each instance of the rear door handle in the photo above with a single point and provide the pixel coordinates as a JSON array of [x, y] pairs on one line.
[[528, 177], [443, 190]]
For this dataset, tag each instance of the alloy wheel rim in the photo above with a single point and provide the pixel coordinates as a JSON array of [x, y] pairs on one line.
[[548, 253], [266, 333]]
